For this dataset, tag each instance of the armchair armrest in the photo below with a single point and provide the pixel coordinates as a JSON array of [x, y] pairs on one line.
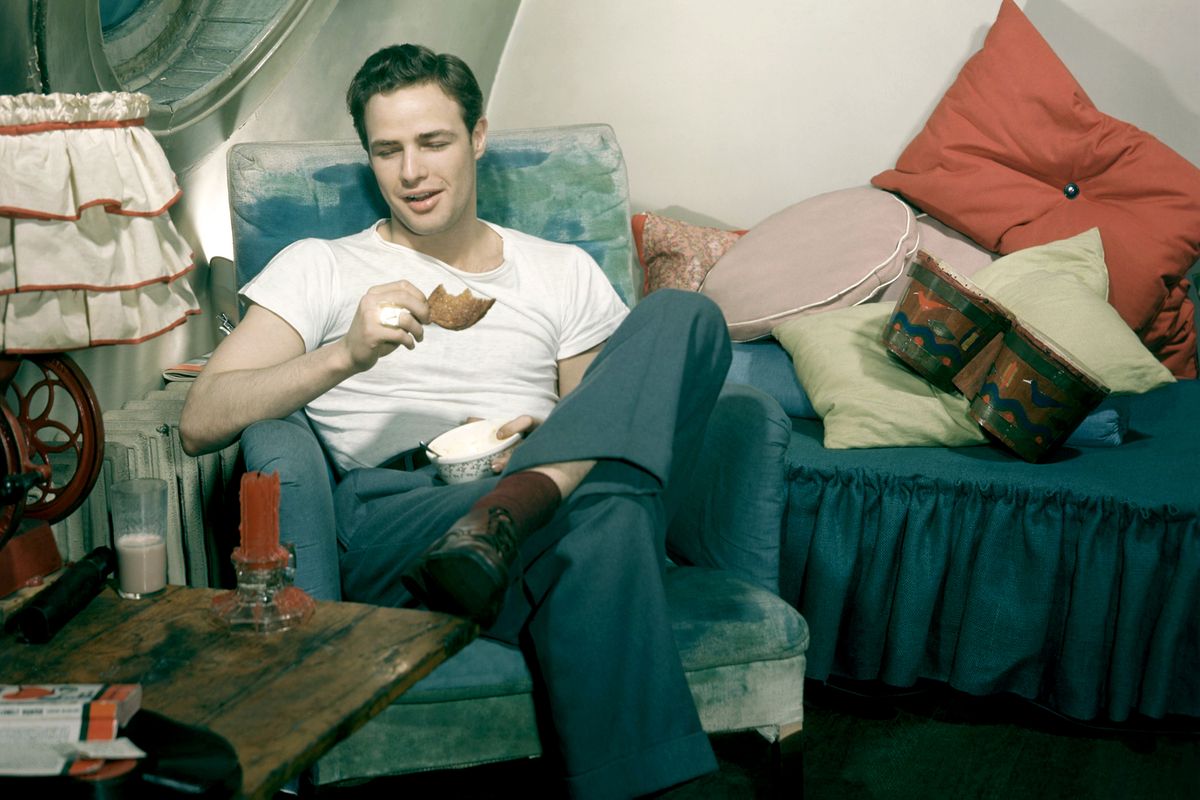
[[290, 447], [733, 515]]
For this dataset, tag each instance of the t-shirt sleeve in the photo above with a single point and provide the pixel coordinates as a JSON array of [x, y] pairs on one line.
[[297, 285], [593, 309]]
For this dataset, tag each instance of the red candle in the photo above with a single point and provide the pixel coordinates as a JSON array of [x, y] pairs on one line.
[[260, 517]]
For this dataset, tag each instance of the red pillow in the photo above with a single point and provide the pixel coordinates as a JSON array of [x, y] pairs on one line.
[[1016, 155], [676, 254]]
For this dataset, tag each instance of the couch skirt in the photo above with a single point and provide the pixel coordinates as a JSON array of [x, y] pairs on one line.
[[1075, 582]]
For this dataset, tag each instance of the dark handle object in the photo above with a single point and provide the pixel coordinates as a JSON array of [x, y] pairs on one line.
[[55, 606]]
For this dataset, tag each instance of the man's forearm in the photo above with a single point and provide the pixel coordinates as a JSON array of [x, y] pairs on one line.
[[220, 405]]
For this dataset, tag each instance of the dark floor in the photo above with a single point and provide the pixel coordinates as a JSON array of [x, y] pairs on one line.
[[864, 741]]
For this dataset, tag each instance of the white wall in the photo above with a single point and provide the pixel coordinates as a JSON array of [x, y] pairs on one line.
[[728, 112]]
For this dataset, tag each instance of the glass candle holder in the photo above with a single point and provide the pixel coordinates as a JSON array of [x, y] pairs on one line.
[[265, 600]]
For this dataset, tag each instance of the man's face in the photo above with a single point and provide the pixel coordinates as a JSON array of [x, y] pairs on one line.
[[424, 160]]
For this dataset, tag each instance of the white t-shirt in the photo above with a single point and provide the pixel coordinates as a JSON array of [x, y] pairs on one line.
[[552, 302]]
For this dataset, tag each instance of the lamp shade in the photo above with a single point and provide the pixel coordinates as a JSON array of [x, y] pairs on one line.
[[88, 252]]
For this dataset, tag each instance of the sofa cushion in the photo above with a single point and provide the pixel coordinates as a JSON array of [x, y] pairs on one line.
[[1106, 426], [565, 184], [865, 397], [718, 618], [766, 366], [743, 650], [734, 505], [829, 251], [1058, 289], [1016, 154], [676, 254]]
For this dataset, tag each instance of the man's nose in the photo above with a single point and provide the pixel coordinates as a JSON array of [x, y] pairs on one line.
[[412, 167]]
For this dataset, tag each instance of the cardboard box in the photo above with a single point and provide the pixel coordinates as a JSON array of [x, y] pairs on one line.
[[66, 712]]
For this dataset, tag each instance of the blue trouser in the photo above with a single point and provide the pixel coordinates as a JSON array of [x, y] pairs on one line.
[[588, 607]]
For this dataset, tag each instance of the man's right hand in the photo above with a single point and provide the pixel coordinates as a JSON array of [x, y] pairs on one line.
[[390, 315]]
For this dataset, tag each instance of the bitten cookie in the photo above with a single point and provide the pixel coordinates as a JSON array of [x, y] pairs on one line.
[[457, 311]]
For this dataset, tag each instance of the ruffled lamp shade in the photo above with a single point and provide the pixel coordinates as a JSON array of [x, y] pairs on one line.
[[88, 253]]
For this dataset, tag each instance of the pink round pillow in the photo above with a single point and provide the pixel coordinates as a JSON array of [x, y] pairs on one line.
[[830, 251]]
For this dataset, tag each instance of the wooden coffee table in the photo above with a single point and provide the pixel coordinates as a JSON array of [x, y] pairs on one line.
[[282, 700]]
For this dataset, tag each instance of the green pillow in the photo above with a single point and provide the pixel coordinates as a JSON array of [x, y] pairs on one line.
[[865, 397], [1060, 290]]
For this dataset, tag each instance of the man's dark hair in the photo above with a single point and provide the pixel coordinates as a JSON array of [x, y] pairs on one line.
[[403, 65]]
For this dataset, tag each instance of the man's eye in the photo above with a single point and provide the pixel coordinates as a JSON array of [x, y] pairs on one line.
[[385, 153], [437, 145]]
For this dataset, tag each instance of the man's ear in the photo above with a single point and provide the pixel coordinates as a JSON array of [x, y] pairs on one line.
[[479, 137]]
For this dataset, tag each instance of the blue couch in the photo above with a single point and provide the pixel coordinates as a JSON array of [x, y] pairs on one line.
[[743, 648], [1074, 583]]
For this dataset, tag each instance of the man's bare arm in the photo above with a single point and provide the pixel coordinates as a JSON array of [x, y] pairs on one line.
[[261, 370], [570, 370]]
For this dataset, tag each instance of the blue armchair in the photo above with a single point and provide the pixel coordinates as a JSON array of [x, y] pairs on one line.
[[743, 648]]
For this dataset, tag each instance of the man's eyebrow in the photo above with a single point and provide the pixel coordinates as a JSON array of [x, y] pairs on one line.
[[439, 134], [421, 137]]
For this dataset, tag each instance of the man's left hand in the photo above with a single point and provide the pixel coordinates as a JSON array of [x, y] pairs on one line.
[[523, 425]]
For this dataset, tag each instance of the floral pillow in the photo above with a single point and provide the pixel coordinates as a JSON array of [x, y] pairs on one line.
[[675, 254]]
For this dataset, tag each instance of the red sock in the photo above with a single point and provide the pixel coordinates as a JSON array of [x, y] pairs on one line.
[[529, 497]]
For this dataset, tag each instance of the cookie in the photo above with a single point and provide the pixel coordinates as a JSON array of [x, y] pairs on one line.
[[456, 311]]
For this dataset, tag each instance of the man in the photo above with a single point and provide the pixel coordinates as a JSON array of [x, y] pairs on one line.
[[562, 554]]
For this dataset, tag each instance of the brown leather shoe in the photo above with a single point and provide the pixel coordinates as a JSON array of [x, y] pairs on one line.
[[467, 571]]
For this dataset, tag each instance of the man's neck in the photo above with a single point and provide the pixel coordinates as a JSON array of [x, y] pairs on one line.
[[476, 249]]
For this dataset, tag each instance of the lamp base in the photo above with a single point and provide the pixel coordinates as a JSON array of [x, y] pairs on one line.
[[30, 554]]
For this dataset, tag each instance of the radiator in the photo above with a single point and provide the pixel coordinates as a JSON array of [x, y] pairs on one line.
[[141, 440]]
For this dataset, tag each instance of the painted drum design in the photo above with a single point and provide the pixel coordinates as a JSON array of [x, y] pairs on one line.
[[941, 323], [1034, 395]]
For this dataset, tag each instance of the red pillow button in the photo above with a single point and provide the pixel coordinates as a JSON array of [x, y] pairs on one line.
[[1071, 190]]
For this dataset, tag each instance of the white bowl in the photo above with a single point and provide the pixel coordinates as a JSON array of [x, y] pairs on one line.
[[465, 453]]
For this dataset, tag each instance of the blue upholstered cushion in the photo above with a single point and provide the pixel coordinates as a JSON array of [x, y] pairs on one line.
[[734, 513], [718, 619], [568, 185], [743, 648], [562, 184], [1105, 426], [765, 365]]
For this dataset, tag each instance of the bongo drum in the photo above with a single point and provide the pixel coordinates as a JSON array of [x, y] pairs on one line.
[[941, 323], [1034, 395]]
